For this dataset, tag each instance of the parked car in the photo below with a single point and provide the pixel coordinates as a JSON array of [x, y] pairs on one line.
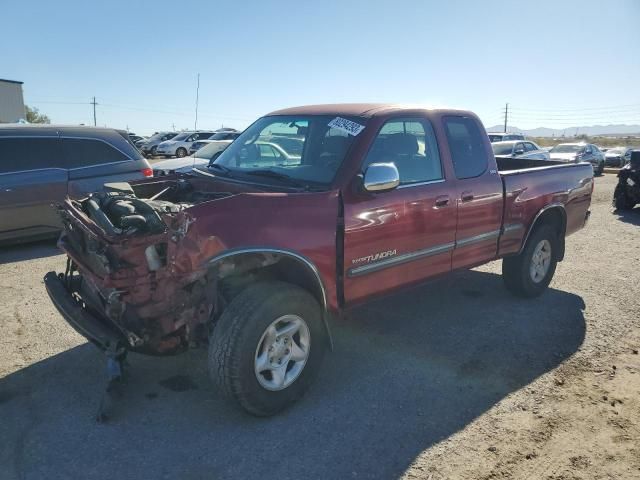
[[41, 165], [179, 145], [150, 145], [224, 138], [267, 153], [503, 137], [253, 261], [135, 138], [627, 192], [579, 152], [617, 157], [520, 149]]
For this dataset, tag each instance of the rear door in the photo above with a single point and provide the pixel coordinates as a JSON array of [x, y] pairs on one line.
[[479, 192], [405, 235], [31, 180], [92, 162]]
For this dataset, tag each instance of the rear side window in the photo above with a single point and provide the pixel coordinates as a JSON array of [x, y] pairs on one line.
[[466, 143], [85, 152], [21, 154]]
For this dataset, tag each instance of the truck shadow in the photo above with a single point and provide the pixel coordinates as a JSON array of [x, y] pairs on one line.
[[407, 372]]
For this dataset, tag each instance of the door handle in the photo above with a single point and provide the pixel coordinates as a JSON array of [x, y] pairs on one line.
[[466, 196], [441, 201]]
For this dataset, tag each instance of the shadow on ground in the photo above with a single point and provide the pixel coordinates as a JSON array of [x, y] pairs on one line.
[[407, 372], [20, 252], [629, 216]]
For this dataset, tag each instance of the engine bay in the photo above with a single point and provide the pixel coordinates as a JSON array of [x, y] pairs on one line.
[[121, 210]]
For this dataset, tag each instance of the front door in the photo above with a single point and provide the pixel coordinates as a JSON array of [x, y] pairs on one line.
[[407, 234]]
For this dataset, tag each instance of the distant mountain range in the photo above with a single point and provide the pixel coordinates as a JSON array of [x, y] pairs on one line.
[[595, 130]]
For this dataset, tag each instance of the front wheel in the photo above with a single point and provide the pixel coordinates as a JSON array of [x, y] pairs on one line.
[[267, 347], [181, 152], [529, 274]]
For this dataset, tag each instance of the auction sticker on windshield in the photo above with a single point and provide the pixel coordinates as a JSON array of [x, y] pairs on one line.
[[347, 126]]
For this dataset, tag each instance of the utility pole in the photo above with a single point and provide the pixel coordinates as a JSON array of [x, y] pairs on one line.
[[506, 116], [195, 127], [173, 127], [95, 123]]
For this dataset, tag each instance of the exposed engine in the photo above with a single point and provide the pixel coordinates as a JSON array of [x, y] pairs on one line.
[[119, 211]]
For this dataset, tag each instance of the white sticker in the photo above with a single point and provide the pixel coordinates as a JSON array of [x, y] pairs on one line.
[[347, 126]]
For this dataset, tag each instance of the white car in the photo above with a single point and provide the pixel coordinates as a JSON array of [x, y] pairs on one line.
[[221, 139], [179, 145]]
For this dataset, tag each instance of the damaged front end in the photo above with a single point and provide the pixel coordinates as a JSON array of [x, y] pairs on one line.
[[135, 275]]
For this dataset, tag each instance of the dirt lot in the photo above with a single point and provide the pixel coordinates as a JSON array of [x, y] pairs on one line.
[[454, 380]]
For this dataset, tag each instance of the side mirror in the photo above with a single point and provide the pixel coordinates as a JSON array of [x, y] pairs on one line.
[[519, 151], [381, 177]]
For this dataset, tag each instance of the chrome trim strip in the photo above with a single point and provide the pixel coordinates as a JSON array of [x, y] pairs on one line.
[[400, 259], [513, 227], [464, 242], [311, 266], [418, 254], [419, 184]]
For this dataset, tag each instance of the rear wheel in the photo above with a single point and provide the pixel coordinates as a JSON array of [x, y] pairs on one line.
[[267, 347], [181, 152], [529, 274], [152, 152]]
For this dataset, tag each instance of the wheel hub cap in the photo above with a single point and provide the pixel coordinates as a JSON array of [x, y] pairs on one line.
[[282, 352], [540, 261]]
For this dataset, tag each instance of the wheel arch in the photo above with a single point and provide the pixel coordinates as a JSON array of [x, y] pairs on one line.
[[285, 265], [555, 215]]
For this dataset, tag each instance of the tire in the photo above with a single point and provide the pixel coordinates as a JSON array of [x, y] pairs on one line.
[[152, 152], [621, 200], [181, 152], [517, 270], [242, 332]]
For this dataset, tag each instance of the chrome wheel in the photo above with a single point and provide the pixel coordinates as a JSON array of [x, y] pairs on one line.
[[282, 352], [540, 261]]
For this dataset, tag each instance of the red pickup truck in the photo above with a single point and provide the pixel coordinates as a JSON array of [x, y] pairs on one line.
[[309, 212]]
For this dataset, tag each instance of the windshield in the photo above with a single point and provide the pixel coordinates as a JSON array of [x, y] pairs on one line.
[[181, 136], [306, 148], [502, 148], [567, 148]]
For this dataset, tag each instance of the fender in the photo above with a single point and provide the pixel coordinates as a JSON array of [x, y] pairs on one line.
[[544, 209], [302, 260]]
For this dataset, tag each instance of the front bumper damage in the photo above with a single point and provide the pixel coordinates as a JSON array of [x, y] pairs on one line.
[[98, 330]]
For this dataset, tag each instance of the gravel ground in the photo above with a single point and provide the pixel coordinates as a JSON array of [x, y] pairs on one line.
[[456, 380]]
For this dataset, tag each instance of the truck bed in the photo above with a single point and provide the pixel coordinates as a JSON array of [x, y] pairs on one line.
[[510, 164]]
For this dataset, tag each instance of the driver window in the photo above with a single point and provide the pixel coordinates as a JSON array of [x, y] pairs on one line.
[[410, 144]]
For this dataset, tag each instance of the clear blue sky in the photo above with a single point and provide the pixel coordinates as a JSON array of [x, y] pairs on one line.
[[558, 63]]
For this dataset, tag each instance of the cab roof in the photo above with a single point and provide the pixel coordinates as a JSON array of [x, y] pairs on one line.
[[366, 110]]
